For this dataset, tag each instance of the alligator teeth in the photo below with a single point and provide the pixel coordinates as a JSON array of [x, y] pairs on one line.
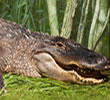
[[73, 71], [83, 80], [84, 72], [81, 70]]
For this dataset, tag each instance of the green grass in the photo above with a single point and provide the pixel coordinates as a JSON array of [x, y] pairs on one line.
[[25, 88]]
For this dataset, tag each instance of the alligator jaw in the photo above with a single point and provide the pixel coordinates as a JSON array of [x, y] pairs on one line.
[[87, 81], [85, 75], [47, 66]]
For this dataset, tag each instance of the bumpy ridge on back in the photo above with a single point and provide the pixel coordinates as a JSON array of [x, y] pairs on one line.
[[11, 30]]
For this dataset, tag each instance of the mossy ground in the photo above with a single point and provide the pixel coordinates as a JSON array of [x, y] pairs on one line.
[[25, 88]]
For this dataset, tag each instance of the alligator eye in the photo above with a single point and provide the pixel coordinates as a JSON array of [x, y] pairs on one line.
[[60, 44]]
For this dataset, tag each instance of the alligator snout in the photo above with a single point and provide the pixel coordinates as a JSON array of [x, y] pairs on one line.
[[106, 71]]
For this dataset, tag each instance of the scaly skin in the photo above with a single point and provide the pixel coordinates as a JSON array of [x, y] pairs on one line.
[[34, 54]]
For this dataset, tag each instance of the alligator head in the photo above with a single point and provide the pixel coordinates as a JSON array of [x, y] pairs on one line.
[[64, 59]]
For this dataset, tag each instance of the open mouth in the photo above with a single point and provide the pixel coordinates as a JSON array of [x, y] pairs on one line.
[[84, 75], [50, 67]]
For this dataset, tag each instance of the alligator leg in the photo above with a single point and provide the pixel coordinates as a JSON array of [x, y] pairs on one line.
[[26, 70], [1, 81]]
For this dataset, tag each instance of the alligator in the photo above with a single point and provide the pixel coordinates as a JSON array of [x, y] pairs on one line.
[[34, 54]]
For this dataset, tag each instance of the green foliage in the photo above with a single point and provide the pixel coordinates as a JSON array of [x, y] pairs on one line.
[[23, 88], [31, 14], [94, 34]]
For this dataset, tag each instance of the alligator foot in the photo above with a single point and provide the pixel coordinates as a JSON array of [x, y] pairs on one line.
[[1, 81]]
